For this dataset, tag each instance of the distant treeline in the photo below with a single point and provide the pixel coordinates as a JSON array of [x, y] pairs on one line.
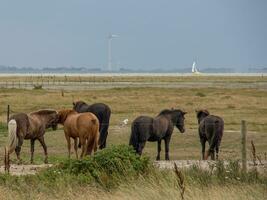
[[13, 69]]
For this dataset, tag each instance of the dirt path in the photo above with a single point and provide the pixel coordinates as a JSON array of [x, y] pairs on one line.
[[206, 164], [182, 164], [24, 169]]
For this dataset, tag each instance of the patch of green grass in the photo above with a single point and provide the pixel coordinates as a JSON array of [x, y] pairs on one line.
[[200, 94]]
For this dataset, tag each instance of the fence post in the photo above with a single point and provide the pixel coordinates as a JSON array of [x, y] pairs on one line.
[[8, 112], [243, 143]]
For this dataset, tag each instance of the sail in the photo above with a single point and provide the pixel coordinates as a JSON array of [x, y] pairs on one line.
[[194, 67]]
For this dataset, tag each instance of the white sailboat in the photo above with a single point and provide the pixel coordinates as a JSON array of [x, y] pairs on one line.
[[194, 69]]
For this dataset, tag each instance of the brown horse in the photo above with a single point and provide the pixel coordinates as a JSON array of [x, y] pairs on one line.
[[84, 126], [30, 126]]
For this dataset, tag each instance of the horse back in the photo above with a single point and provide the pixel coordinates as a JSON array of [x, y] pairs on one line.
[[23, 123], [161, 124], [143, 126], [100, 110], [87, 120], [212, 125]]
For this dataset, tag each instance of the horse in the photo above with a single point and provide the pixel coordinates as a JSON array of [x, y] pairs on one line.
[[145, 128], [210, 129], [84, 126], [102, 112], [30, 126]]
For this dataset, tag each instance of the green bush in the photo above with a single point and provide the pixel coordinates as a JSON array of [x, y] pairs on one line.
[[109, 166]]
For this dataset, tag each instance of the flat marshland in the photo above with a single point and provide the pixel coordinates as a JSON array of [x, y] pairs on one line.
[[233, 104]]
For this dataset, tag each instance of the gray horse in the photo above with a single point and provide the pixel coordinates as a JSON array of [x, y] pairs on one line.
[[210, 129], [30, 126]]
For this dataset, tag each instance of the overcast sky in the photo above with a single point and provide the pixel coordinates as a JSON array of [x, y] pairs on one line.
[[152, 33]]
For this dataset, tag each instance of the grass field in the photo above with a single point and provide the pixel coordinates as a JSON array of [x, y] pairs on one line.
[[233, 105]]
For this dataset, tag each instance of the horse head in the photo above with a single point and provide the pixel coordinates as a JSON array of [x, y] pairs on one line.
[[202, 114], [52, 119], [179, 119], [78, 104], [63, 114]]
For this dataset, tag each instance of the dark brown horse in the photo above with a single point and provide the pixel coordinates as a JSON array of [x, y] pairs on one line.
[[102, 112], [156, 129], [210, 129], [84, 126], [30, 126]]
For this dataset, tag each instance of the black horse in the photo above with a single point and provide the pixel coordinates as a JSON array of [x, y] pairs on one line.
[[156, 129], [102, 112], [210, 129]]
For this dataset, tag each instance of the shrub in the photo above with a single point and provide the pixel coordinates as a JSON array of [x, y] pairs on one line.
[[107, 167]]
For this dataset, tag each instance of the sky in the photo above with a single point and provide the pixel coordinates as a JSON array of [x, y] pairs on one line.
[[153, 34]]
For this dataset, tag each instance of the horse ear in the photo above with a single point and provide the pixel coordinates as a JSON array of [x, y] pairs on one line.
[[184, 113], [205, 111]]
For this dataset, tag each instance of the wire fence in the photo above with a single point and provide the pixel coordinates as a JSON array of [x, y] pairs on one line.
[[81, 85]]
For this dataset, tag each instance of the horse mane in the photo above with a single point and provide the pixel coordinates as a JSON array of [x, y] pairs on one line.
[[79, 103], [63, 114], [199, 112], [44, 112], [168, 111]]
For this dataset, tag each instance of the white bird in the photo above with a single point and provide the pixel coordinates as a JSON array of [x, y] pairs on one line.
[[125, 122]]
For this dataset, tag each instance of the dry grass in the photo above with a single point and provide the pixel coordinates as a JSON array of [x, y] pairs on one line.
[[151, 189]]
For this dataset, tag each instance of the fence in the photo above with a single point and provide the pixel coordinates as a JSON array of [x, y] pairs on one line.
[[93, 84]]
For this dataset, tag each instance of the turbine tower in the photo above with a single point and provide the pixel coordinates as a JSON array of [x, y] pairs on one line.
[[110, 37]]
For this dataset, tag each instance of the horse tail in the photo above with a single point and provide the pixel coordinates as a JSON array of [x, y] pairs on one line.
[[12, 136], [214, 138], [104, 124], [134, 136]]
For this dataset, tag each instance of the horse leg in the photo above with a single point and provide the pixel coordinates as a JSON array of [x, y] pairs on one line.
[[141, 146], [167, 143], [217, 149], [95, 144], [212, 154], [159, 150], [203, 144], [18, 149], [83, 143], [32, 149], [76, 147], [68, 143], [41, 140]]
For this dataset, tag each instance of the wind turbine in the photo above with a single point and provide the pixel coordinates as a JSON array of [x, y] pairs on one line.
[[110, 37]]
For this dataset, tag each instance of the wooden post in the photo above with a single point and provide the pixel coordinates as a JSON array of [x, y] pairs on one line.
[[243, 143], [8, 112], [7, 161]]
